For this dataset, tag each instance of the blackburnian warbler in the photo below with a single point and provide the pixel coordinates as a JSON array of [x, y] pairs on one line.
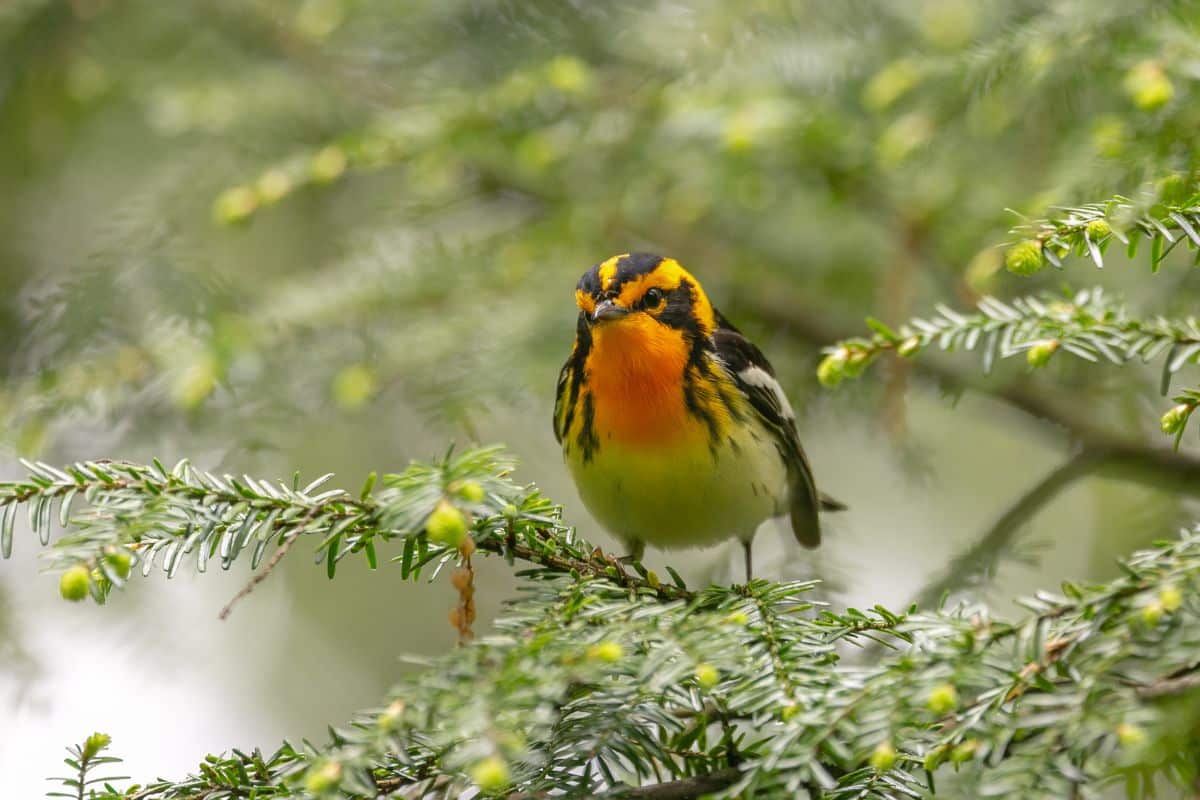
[[671, 421]]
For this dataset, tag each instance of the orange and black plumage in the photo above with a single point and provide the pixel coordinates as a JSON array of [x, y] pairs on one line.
[[672, 422]]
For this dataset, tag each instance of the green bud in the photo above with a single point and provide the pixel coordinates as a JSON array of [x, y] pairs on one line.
[[568, 74], [327, 165], [1148, 86], [1152, 613], [964, 752], [120, 561], [883, 757], [1174, 420], [653, 579], [1170, 598], [491, 775], [891, 83], [1024, 258], [707, 676], [789, 711], [909, 347], [323, 778], [471, 491], [235, 205], [1130, 735], [934, 758], [942, 699], [390, 716], [857, 361], [1173, 189], [353, 386], [608, 651], [446, 525], [832, 368], [1039, 354], [74, 583], [1098, 229], [273, 186], [95, 743]]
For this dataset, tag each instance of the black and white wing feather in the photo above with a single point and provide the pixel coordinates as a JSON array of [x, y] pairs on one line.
[[755, 377]]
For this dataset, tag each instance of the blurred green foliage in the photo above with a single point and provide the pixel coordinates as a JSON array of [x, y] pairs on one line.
[[232, 228], [416, 186]]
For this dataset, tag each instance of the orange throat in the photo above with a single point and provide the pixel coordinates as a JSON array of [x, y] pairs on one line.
[[635, 375]]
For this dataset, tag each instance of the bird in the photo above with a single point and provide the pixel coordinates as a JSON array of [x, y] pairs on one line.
[[672, 423]]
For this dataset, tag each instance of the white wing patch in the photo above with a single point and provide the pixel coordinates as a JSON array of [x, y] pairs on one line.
[[761, 379]]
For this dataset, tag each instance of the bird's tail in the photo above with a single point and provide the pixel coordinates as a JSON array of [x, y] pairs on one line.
[[829, 504]]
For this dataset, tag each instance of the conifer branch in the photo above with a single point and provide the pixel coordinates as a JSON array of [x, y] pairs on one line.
[[116, 515], [1165, 218], [1089, 326], [579, 691]]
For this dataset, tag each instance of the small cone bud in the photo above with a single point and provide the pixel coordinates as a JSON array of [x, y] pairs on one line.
[[327, 165], [446, 525], [95, 743], [942, 699], [707, 676], [1039, 354], [235, 205], [471, 491], [857, 362], [1148, 86], [390, 718], [1098, 229], [832, 369], [883, 757], [1174, 420], [324, 778], [74, 583], [491, 775], [120, 561], [1174, 189], [1130, 735], [1024, 258], [909, 347], [608, 652], [964, 752], [1152, 613], [1170, 598]]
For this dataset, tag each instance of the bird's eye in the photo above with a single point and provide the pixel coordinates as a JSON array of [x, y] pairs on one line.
[[652, 298]]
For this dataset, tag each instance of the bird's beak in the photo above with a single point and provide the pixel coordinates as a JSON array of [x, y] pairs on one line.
[[608, 310]]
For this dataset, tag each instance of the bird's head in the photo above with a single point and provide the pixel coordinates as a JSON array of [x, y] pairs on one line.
[[643, 292]]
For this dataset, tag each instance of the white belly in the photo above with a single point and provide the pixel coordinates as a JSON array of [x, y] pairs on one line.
[[682, 496]]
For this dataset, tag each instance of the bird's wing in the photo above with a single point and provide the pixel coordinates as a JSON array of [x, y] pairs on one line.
[[755, 377], [562, 400]]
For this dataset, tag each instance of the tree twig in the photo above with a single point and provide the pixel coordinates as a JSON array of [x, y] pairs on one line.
[[259, 576], [819, 328]]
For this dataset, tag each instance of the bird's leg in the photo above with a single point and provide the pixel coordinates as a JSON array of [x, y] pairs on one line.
[[747, 545], [637, 549]]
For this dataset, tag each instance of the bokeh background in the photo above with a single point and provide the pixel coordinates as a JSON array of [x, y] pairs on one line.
[[337, 235]]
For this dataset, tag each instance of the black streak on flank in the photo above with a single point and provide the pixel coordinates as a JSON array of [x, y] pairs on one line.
[[696, 408], [576, 364], [587, 434]]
